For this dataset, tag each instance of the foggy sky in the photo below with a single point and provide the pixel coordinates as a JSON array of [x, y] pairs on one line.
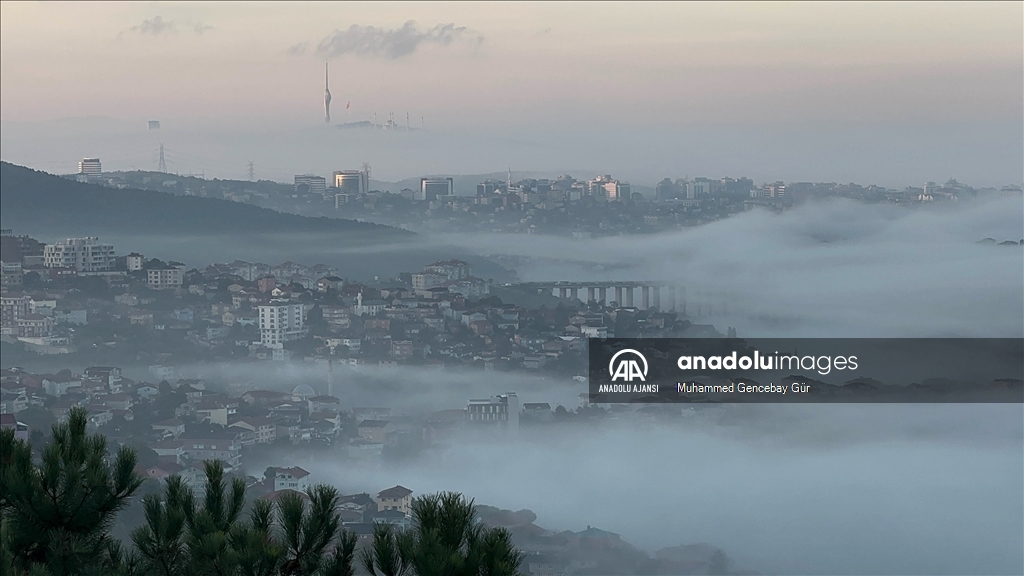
[[885, 93]]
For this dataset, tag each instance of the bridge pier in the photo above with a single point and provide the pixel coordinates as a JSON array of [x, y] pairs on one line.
[[590, 294], [602, 295], [657, 297], [645, 297], [629, 296]]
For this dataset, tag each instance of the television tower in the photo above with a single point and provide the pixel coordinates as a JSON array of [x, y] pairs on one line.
[[327, 92], [161, 166]]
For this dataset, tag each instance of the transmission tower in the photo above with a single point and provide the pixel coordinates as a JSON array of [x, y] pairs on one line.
[[252, 172], [161, 165]]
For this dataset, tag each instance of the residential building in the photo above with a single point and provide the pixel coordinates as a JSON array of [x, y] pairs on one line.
[[397, 498], [375, 431], [10, 422], [11, 275], [167, 278], [324, 404], [13, 306], [280, 322], [294, 478], [34, 326], [172, 427], [223, 446], [264, 429], [134, 261], [450, 269], [212, 412], [80, 254]]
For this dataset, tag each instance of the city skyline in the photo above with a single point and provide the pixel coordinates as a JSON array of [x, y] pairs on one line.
[[894, 94]]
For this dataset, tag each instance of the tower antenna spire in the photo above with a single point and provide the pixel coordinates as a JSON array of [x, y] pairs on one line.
[[327, 92]]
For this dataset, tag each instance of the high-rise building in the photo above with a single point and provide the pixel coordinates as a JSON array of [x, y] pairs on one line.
[[280, 322], [432, 188], [82, 254], [316, 184], [607, 188], [351, 182], [698, 188], [90, 167], [501, 411]]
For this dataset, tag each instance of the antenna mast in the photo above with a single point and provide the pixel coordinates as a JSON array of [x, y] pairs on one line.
[[327, 92], [161, 165]]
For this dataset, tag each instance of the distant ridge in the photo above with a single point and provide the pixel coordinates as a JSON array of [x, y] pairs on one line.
[[32, 201]]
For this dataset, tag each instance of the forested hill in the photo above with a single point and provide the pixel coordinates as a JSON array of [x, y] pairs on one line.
[[32, 200]]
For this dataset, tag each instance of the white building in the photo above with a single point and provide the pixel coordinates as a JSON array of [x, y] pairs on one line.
[[82, 254], [134, 261], [368, 307], [352, 182], [294, 478], [607, 188], [316, 184], [698, 188], [90, 167], [501, 411], [167, 278], [432, 188], [281, 322]]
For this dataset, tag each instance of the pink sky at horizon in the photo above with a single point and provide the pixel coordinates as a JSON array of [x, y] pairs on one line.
[[647, 63]]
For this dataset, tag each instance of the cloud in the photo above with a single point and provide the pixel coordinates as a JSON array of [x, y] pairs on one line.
[[390, 43], [157, 26]]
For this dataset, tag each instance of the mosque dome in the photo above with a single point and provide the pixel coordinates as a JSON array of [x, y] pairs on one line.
[[303, 391]]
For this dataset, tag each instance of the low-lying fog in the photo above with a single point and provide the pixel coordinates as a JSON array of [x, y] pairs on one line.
[[783, 489], [791, 490], [830, 268], [812, 489]]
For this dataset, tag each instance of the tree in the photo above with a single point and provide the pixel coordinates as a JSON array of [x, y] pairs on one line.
[[294, 538], [446, 540], [308, 531], [58, 514]]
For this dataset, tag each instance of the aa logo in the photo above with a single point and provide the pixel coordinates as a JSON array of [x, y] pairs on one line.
[[626, 365]]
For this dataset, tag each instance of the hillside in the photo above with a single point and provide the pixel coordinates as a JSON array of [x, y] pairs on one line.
[[36, 201]]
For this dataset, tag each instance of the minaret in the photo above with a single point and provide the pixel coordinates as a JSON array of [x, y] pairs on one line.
[[327, 92]]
